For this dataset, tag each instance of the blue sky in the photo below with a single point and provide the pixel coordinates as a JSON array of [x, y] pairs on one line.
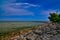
[[27, 10]]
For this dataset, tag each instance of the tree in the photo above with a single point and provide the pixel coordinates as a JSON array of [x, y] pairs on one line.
[[58, 18], [53, 17]]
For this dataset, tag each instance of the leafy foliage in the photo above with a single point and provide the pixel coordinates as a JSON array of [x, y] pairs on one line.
[[54, 17]]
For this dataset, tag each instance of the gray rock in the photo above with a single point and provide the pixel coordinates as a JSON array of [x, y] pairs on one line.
[[44, 32]]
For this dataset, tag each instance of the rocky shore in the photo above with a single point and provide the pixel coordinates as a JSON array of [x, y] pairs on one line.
[[46, 31]]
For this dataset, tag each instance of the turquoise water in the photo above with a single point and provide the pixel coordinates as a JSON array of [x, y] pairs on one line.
[[9, 26]]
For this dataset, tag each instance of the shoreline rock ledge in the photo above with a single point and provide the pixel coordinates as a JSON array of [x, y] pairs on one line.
[[44, 32]]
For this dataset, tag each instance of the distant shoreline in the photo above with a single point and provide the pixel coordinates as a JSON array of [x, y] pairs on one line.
[[27, 21]]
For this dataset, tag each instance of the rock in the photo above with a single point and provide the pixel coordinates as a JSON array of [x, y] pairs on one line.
[[44, 32]]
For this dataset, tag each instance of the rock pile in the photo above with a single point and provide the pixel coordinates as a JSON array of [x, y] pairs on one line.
[[44, 32]]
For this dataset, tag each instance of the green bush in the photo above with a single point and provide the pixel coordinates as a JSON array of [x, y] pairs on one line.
[[54, 17]]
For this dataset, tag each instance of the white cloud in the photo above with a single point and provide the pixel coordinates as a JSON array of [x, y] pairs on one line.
[[26, 5], [10, 7], [50, 11], [14, 11], [46, 12], [17, 9]]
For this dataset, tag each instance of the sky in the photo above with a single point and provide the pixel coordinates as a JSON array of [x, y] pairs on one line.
[[27, 10]]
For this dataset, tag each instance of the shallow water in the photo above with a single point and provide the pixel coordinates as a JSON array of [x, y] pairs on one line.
[[8, 26]]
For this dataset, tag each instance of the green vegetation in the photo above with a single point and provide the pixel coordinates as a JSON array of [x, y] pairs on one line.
[[54, 17]]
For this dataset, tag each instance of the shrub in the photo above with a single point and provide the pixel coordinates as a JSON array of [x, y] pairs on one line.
[[54, 17]]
